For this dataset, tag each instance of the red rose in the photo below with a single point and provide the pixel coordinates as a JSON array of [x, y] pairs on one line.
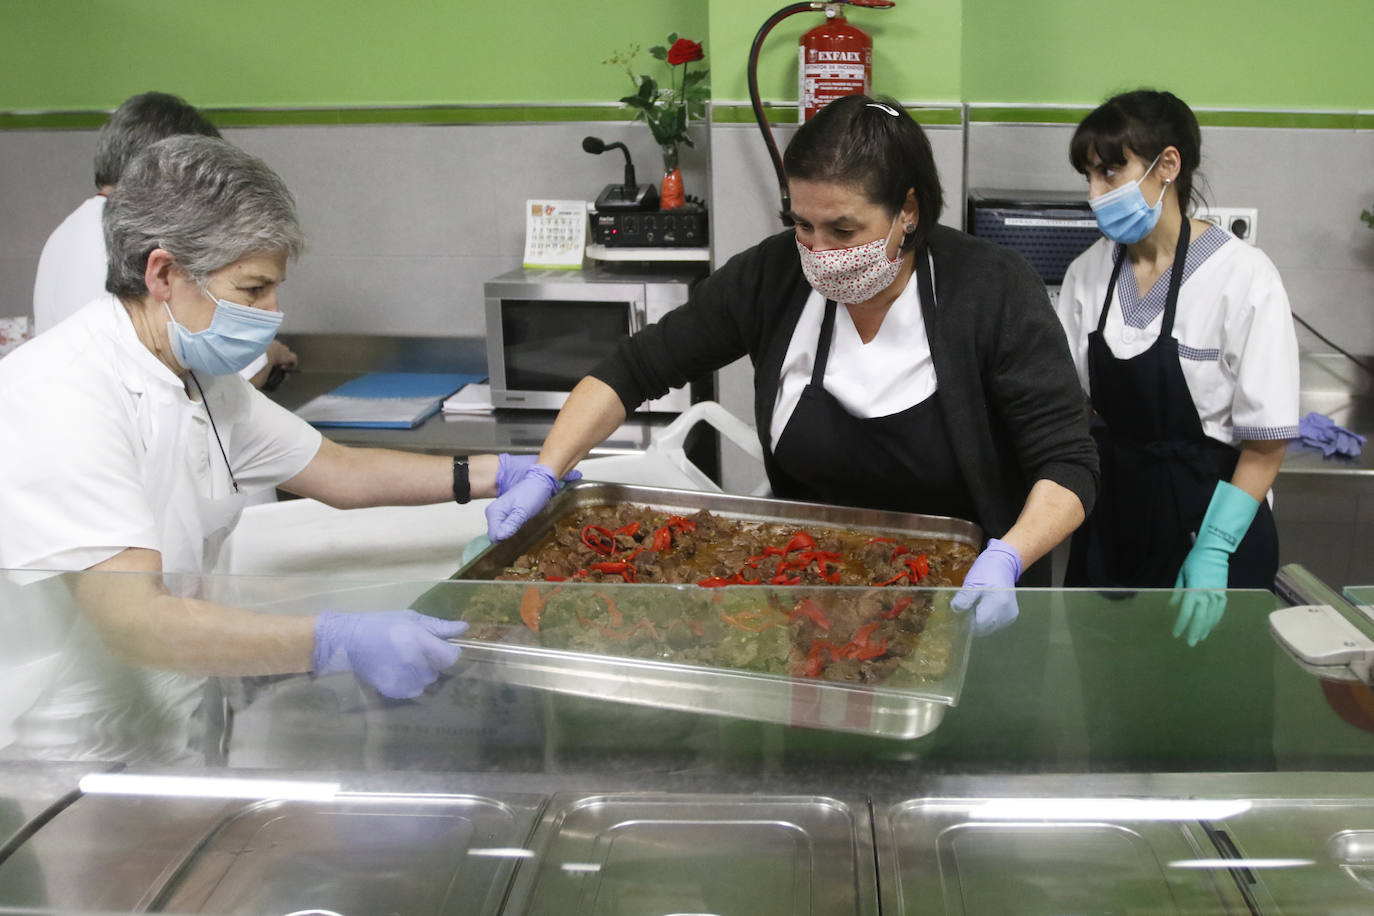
[[684, 51]]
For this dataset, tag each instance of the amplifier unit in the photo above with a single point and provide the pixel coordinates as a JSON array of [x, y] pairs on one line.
[[683, 227]]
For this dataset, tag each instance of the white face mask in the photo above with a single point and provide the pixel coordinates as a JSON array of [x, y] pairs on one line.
[[850, 275]]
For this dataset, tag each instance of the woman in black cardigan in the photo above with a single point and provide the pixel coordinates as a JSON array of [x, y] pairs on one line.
[[898, 364]]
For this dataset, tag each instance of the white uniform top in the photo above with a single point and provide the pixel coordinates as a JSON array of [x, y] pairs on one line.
[[105, 450], [72, 271], [889, 374], [72, 267], [1233, 326]]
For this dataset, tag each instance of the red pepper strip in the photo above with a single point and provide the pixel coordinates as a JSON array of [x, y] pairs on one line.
[[783, 578], [663, 539], [616, 619], [678, 523], [899, 550], [605, 542], [645, 624], [904, 574], [815, 659], [862, 634], [620, 567], [812, 611], [555, 578], [531, 606], [872, 651], [800, 541], [745, 619], [631, 529], [919, 566], [892, 612], [880, 541]]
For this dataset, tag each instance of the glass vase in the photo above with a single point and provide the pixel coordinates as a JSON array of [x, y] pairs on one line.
[[670, 193]]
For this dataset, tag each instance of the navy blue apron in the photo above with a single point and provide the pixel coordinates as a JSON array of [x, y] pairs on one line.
[[1159, 469], [902, 462]]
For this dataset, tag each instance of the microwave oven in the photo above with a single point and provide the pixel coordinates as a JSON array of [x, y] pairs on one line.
[[1048, 228], [546, 329]]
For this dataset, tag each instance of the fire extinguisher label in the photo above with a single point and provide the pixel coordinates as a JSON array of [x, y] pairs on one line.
[[824, 76]]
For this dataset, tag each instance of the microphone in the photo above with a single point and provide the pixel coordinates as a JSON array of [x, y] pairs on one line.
[[596, 146]]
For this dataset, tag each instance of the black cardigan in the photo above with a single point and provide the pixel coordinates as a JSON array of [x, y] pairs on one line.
[[1011, 398]]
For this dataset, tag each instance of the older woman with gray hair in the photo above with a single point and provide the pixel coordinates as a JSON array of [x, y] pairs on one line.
[[132, 440]]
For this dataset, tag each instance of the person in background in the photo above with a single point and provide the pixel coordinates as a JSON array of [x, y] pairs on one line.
[[73, 265], [131, 437], [1183, 340], [898, 364]]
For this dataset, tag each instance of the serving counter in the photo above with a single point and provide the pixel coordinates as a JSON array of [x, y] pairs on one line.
[[1093, 763]]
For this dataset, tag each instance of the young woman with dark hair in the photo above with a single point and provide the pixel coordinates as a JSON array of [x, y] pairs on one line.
[[1183, 340]]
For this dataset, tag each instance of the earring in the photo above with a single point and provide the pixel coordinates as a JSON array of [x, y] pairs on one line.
[[910, 228]]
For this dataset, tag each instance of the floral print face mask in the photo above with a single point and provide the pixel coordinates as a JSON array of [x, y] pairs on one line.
[[850, 275]]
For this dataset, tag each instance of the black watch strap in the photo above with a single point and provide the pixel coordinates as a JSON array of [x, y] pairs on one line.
[[462, 487]]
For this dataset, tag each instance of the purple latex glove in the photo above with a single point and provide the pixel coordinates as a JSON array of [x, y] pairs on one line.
[[1321, 432], [400, 653], [510, 468], [521, 499], [989, 588]]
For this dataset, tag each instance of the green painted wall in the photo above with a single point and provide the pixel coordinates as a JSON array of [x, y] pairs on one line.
[[73, 55], [1212, 53], [92, 54]]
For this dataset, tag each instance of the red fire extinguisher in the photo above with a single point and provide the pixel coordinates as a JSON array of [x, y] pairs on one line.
[[834, 59]]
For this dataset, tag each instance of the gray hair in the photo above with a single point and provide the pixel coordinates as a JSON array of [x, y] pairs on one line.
[[205, 202], [138, 123]]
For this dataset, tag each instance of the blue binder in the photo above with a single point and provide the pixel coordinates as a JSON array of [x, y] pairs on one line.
[[385, 400]]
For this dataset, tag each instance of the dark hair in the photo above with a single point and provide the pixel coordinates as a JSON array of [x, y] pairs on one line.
[[873, 144], [1145, 122], [139, 123]]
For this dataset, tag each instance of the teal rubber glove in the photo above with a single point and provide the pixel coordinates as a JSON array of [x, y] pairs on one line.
[[990, 588], [1208, 564]]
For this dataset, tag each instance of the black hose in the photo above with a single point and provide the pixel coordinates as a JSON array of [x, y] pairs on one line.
[[759, 116]]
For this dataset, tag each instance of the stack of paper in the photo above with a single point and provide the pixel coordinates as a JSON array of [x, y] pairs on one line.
[[386, 400], [471, 400]]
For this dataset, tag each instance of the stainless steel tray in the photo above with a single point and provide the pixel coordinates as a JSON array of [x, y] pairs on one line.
[[608, 855], [887, 711], [356, 853], [970, 856], [489, 563], [1305, 855]]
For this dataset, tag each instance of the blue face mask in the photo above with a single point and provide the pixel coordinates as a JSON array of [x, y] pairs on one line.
[[237, 335], [1122, 214]]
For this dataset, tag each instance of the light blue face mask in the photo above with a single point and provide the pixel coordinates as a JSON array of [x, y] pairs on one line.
[[1122, 214], [237, 335]]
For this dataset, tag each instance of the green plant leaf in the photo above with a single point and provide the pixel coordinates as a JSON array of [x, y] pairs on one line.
[[672, 37], [659, 52], [648, 88]]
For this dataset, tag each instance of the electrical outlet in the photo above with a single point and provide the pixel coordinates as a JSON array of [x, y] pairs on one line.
[[1242, 222]]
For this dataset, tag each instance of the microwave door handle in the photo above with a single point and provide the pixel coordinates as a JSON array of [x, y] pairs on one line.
[[637, 322]]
